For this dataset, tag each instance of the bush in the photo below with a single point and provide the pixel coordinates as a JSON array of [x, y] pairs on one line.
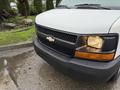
[[4, 4], [13, 12]]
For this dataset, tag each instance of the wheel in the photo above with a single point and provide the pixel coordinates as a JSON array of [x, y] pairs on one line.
[[115, 76]]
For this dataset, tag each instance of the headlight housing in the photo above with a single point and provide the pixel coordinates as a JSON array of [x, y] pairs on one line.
[[97, 47]]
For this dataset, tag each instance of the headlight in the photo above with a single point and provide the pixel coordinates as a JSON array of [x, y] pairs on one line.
[[95, 42], [97, 47]]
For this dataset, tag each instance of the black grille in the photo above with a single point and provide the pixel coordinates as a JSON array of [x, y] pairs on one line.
[[61, 35], [57, 47], [66, 45]]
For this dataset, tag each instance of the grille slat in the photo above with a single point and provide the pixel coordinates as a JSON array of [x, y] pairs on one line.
[[57, 47], [57, 40], [64, 42], [61, 35]]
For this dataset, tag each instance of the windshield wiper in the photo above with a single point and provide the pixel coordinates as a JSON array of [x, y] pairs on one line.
[[91, 6], [63, 6], [88, 4]]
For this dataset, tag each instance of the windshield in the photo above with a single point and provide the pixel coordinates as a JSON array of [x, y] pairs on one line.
[[113, 4]]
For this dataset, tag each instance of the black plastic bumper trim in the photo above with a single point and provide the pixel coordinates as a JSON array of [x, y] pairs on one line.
[[101, 71]]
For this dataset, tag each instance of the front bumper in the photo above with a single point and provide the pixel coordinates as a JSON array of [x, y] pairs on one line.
[[100, 71]]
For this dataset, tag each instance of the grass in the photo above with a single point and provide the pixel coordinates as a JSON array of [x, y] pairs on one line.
[[17, 35], [10, 37]]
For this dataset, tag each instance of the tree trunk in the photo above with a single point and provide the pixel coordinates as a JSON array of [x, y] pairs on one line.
[[57, 2], [23, 7], [38, 5]]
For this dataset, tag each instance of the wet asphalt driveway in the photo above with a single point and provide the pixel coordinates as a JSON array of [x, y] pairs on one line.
[[33, 73]]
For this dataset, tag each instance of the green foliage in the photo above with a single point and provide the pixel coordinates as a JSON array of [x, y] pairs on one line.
[[57, 2], [4, 4], [5, 10], [23, 7], [49, 4], [13, 12], [38, 5], [12, 0], [32, 10]]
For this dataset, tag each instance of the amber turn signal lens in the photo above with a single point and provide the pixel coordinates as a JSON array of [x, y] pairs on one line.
[[94, 56]]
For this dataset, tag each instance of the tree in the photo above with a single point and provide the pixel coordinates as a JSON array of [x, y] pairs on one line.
[[57, 2], [38, 5], [23, 7], [12, 0], [49, 4], [4, 4], [4, 9]]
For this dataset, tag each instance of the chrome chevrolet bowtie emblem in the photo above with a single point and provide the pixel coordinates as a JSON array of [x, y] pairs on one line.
[[50, 39]]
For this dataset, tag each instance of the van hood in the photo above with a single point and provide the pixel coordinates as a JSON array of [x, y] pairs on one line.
[[80, 21]]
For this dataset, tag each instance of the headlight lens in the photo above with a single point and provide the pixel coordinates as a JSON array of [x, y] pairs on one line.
[[97, 47], [95, 42]]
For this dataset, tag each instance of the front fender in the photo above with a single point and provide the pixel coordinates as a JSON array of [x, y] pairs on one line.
[[115, 28]]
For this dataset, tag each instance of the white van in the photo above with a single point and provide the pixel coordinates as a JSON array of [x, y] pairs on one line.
[[81, 37]]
